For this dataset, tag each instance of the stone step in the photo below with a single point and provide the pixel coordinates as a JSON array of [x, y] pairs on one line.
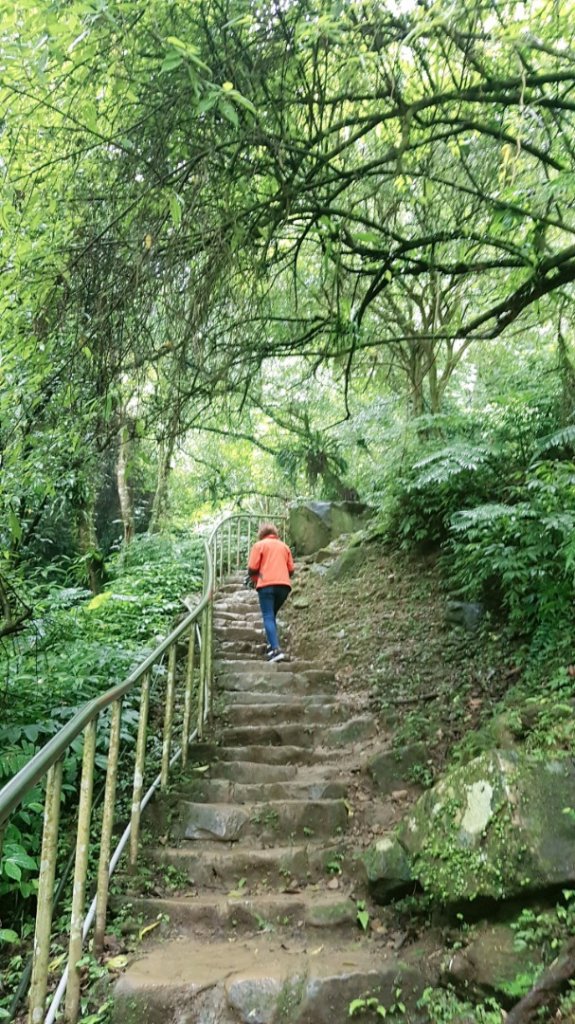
[[236, 698], [266, 668], [242, 632], [214, 865], [289, 712], [243, 912], [252, 772], [269, 754], [236, 597], [299, 734], [222, 790], [225, 620], [263, 680], [261, 980], [273, 821], [239, 650]]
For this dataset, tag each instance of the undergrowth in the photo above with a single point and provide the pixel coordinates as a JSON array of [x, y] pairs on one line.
[[76, 647]]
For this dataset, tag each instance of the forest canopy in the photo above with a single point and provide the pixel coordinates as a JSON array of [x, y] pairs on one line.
[[249, 247]]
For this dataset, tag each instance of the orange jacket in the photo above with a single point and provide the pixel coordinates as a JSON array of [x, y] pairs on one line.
[[271, 562]]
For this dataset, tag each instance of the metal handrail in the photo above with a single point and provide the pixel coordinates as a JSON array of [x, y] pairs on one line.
[[224, 548]]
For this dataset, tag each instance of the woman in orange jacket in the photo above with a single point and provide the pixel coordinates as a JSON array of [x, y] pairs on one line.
[[271, 567]]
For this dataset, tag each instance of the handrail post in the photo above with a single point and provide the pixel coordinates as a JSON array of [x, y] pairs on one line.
[[107, 827], [239, 543], [229, 535], [210, 657], [202, 690], [139, 769], [189, 692], [168, 718], [48, 860], [81, 866]]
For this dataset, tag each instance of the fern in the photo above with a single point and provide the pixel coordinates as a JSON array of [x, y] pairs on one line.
[[490, 513], [563, 438], [442, 466]]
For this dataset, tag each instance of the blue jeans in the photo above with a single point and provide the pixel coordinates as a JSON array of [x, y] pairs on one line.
[[271, 600]]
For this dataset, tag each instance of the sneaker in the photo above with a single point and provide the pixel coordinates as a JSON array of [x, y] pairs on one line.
[[276, 655]]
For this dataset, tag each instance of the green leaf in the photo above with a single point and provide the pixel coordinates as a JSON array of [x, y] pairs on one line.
[[228, 112], [7, 935], [175, 211], [99, 600], [171, 61], [12, 870], [363, 918]]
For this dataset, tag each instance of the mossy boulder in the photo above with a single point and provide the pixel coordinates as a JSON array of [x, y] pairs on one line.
[[494, 828], [347, 563], [387, 869], [313, 524], [493, 963], [392, 769]]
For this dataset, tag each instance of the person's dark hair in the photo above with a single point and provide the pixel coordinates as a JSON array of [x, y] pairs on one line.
[[267, 530]]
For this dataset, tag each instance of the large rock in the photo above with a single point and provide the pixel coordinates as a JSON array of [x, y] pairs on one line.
[[392, 769], [347, 563], [313, 524], [493, 964], [494, 828], [387, 869]]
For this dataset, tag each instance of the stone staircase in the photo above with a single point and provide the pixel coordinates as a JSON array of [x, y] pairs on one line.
[[266, 931]]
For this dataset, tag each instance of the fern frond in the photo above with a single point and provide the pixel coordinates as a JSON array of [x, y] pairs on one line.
[[564, 438], [441, 466], [485, 515]]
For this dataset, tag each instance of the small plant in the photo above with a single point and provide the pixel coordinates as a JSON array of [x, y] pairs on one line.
[[263, 924], [443, 1006], [239, 889], [395, 1009], [333, 866], [362, 914]]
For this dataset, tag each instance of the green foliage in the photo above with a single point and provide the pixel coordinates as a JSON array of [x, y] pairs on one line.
[[519, 557], [546, 931], [444, 1006], [362, 916], [77, 648], [372, 1005]]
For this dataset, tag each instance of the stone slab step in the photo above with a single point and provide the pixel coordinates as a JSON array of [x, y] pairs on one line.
[[252, 772], [258, 681], [259, 980], [215, 866], [270, 754], [241, 911], [243, 631], [273, 821], [289, 712], [223, 626], [300, 734], [307, 700], [225, 790], [239, 650], [265, 668]]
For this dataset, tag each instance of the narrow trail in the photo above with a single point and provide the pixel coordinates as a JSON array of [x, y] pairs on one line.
[[267, 931]]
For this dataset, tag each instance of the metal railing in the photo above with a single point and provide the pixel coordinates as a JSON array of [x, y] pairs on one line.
[[188, 691]]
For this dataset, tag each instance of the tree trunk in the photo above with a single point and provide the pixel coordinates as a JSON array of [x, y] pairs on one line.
[[567, 375], [88, 545], [434, 387], [124, 493], [159, 504]]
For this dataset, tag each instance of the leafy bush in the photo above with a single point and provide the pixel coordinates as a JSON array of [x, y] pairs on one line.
[[77, 647], [520, 557]]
